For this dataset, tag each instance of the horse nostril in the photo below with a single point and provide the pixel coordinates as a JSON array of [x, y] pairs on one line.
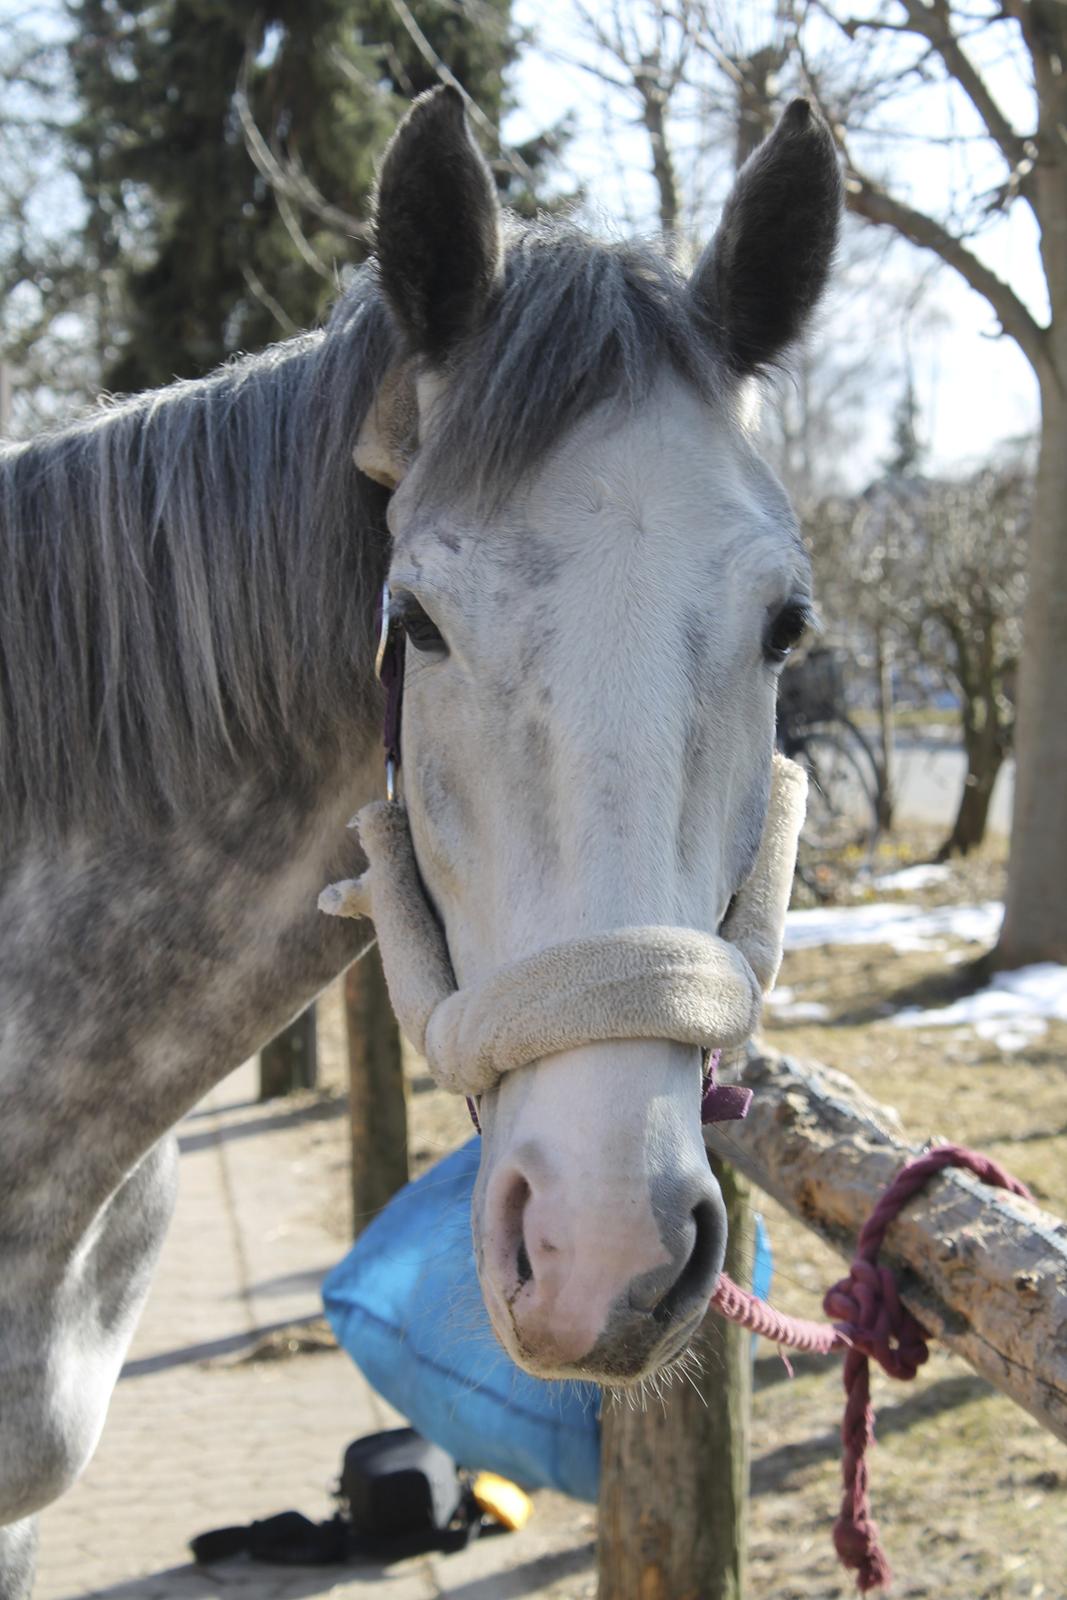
[[512, 1197], [700, 1273]]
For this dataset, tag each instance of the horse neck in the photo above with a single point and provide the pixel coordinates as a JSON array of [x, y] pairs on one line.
[[139, 968]]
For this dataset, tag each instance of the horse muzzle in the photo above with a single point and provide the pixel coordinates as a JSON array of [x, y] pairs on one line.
[[594, 999]]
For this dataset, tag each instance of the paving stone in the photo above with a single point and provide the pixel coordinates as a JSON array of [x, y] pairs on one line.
[[198, 1437]]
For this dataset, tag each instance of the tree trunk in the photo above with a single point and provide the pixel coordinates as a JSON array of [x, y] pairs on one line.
[[1035, 912], [290, 1061], [887, 764], [377, 1105], [985, 757], [674, 1473], [654, 103], [754, 76], [984, 1271]]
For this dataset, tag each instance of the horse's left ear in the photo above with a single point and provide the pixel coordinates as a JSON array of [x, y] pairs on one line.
[[763, 273], [437, 225]]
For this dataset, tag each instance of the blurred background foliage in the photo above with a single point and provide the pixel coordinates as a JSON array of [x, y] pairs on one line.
[[191, 178]]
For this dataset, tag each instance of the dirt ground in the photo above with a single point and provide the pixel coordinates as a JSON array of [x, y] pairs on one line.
[[969, 1492]]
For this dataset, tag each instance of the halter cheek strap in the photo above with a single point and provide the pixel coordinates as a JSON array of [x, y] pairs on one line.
[[628, 983]]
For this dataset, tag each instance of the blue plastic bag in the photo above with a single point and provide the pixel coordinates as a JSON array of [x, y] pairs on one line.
[[406, 1305]]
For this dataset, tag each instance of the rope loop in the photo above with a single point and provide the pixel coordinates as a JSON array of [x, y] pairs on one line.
[[866, 1308], [869, 1321]]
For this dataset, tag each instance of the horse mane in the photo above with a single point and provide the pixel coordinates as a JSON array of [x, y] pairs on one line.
[[179, 573], [188, 575]]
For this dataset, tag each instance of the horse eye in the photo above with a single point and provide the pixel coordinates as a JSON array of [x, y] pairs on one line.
[[421, 629], [786, 631]]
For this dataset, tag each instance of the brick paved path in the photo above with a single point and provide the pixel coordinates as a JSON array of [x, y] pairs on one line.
[[198, 1437]]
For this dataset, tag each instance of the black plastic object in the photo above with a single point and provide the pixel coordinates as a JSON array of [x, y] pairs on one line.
[[397, 1483], [400, 1496], [287, 1540]]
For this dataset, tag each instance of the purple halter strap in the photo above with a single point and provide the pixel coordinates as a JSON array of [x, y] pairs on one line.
[[389, 665], [722, 1102]]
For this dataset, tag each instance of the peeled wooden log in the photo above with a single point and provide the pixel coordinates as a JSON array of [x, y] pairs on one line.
[[984, 1271]]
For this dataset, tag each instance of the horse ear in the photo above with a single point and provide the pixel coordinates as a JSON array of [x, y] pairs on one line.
[[763, 273], [437, 225]]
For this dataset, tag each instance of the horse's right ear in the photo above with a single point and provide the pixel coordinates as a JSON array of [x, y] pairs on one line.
[[761, 277], [437, 225]]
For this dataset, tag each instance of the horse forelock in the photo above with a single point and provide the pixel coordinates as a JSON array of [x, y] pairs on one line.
[[575, 322]]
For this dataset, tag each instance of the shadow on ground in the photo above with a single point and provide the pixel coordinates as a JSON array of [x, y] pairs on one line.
[[251, 1580], [774, 1471], [933, 989], [213, 1349], [327, 1109]]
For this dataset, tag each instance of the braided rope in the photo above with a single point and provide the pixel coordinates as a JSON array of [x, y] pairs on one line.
[[869, 1320]]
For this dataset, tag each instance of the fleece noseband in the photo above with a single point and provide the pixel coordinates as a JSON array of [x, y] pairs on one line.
[[629, 983]]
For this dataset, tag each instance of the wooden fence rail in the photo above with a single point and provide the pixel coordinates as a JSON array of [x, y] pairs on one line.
[[984, 1271]]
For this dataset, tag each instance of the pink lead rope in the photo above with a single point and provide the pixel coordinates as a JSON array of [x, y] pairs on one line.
[[869, 1320]]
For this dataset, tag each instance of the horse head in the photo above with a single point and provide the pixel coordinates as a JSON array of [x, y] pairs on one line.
[[598, 579]]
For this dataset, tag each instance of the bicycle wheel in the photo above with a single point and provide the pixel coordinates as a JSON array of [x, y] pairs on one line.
[[842, 815]]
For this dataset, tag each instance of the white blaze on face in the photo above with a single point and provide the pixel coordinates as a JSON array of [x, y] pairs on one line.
[[592, 752]]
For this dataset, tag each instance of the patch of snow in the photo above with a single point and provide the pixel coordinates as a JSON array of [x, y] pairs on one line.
[[1020, 1031], [901, 926], [920, 876], [1023, 1000], [786, 1009]]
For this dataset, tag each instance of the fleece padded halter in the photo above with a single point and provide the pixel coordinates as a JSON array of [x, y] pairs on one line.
[[629, 983]]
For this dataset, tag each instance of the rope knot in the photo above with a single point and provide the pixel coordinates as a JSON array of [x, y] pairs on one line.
[[859, 1549], [867, 1311]]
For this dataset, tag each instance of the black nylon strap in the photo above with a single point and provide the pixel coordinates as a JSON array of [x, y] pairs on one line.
[[391, 673]]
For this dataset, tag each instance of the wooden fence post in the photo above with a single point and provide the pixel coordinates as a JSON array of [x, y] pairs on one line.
[[674, 1475], [377, 1104], [290, 1061]]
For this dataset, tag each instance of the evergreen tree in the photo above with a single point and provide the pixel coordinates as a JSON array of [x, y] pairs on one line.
[[908, 449], [200, 254]]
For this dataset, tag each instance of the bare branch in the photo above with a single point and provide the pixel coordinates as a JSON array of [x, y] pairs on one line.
[[301, 243], [446, 75], [261, 293], [869, 200], [285, 179], [933, 22]]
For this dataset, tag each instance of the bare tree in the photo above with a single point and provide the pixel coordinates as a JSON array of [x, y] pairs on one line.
[[934, 572], [643, 50], [950, 48], [970, 622]]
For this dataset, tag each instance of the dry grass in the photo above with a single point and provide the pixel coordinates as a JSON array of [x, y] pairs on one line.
[[970, 1493]]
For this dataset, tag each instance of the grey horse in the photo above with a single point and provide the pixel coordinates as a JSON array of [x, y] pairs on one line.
[[599, 579]]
